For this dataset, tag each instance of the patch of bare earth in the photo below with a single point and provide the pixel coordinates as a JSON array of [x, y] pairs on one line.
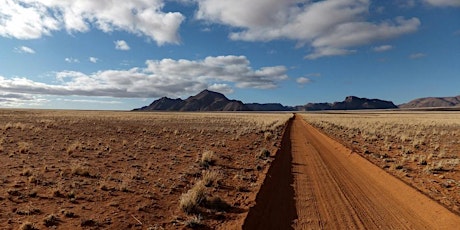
[[120, 170], [420, 148]]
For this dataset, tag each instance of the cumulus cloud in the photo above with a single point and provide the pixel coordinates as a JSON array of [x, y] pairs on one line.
[[166, 77], [329, 27], [93, 59], [221, 88], [24, 49], [121, 45], [382, 48], [444, 3], [417, 55], [31, 19]]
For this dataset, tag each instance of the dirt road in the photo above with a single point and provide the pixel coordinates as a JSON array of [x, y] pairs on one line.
[[316, 183]]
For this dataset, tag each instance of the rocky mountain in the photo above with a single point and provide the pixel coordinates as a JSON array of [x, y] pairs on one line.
[[432, 102], [204, 101], [350, 103], [213, 101], [268, 107]]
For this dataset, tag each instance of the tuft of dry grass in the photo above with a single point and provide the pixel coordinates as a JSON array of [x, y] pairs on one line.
[[193, 222], [190, 201], [80, 170], [24, 147], [208, 158], [51, 220], [73, 147], [210, 177]]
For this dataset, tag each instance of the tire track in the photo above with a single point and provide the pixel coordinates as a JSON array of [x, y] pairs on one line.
[[315, 183]]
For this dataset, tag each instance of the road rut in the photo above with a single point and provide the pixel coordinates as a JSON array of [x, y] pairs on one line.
[[316, 183]]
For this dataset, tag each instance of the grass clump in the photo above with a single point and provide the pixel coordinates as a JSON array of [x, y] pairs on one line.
[[51, 220], [208, 158], [210, 177], [193, 222], [191, 200]]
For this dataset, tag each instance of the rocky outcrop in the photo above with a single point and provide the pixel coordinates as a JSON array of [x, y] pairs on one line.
[[204, 101], [213, 101], [432, 102], [350, 103], [268, 107]]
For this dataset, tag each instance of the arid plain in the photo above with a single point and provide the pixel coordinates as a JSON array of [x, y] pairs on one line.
[[420, 148], [121, 170], [143, 170]]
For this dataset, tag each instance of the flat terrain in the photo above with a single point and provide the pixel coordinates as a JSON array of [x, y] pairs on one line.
[[335, 189], [420, 148], [123, 170]]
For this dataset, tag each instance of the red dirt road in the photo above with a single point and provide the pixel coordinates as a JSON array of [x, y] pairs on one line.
[[316, 183]]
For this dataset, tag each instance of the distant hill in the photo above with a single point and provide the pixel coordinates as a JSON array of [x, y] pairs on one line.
[[213, 101], [204, 101], [432, 102], [268, 107], [350, 103]]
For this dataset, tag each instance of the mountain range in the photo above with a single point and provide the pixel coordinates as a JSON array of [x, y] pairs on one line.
[[432, 102], [213, 101]]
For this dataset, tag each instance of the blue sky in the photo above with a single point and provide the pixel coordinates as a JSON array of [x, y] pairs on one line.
[[120, 55]]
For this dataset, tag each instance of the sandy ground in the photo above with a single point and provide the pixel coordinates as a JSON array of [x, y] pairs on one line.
[[333, 189], [120, 170], [420, 148]]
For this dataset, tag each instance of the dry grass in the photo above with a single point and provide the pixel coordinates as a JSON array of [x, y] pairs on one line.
[[430, 136], [112, 160], [193, 222], [421, 148], [211, 177], [190, 201], [208, 158]]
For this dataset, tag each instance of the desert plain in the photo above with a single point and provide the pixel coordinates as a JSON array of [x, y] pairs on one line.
[[149, 170]]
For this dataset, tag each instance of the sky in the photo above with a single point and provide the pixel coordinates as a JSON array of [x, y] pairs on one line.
[[121, 55]]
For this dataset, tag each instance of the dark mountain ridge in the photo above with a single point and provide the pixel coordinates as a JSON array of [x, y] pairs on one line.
[[350, 103], [213, 101], [204, 101]]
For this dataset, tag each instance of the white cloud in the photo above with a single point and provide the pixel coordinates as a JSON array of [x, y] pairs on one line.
[[221, 88], [31, 19], [71, 60], [14, 100], [24, 49], [93, 59], [382, 48], [121, 45], [417, 55], [166, 77], [329, 27], [303, 80], [444, 3]]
